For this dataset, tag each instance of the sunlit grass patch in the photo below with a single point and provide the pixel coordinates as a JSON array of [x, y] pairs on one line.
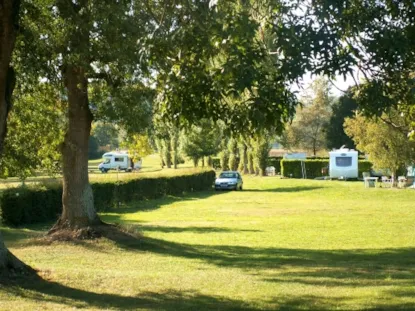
[[278, 245]]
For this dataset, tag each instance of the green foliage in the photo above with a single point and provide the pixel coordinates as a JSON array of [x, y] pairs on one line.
[[243, 152], [224, 70], [292, 168], [364, 166], [216, 163], [106, 134], [25, 205], [138, 146], [261, 144], [275, 162], [201, 140], [251, 165], [35, 132], [224, 160], [21, 206], [342, 109], [166, 152], [93, 151], [387, 146], [233, 154], [307, 130]]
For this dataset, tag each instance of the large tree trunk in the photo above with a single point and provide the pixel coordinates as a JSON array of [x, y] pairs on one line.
[[9, 262], [77, 200], [9, 15]]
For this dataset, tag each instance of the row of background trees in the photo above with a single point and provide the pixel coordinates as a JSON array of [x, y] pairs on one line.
[[322, 122]]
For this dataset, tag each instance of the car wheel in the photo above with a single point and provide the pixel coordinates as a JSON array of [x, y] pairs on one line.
[[240, 188]]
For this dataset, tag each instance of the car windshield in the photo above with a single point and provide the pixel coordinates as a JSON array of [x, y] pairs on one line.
[[227, 175], [106, 161]]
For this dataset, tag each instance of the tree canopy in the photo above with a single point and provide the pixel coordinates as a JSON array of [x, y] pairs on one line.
[[344, 107], [387, 147]]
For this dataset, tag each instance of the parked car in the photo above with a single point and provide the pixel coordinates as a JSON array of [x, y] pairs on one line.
[[229, 180]]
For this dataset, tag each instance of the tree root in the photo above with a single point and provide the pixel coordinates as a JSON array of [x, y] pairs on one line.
[[92, 232]]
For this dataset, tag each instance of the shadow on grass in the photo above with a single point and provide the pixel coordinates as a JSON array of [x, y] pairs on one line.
[[286, 189], [359, 267], [201, 230], [40, 290], [150, 205], [393, 269]]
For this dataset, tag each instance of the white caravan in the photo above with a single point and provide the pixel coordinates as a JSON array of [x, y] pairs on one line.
[[116, 160], [343, 163]]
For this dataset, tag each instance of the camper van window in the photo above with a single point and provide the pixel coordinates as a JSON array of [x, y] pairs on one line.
[[106, 161], [118, 159], [343, 161]]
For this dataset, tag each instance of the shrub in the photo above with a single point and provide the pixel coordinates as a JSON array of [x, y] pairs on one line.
[[292, 168], [275, 162], [216, 163], [25, 205], [364, 166]]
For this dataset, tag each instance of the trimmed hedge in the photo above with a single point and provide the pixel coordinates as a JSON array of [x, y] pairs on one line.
[[292, 168], [364, 166], [20, 206], [275, 162]]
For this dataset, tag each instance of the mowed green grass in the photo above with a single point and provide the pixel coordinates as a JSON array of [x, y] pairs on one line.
[[277, 245]]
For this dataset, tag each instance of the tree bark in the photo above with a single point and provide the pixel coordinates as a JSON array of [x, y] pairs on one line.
[[167, 152], [78, 209], [9, 15], [174, 145], [243, 163], [251, 167]]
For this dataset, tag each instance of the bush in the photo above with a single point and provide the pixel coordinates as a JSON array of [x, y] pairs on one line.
[[20, 206], [364, 166], [292, 168], [275, 162], [216, 163]]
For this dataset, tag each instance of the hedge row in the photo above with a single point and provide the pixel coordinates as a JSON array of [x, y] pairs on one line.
[[21, 206], [275, 162], [314, 168], [292, 168]]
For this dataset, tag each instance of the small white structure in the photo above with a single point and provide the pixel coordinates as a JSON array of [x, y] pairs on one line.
[[270, 171], [295, 156], [343, 163], [116, 160]]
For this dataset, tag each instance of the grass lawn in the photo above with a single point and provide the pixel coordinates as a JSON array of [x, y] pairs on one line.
[[278, 245]]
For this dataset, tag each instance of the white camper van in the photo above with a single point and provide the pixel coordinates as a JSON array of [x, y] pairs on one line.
[[343, 163], [116, 160]]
